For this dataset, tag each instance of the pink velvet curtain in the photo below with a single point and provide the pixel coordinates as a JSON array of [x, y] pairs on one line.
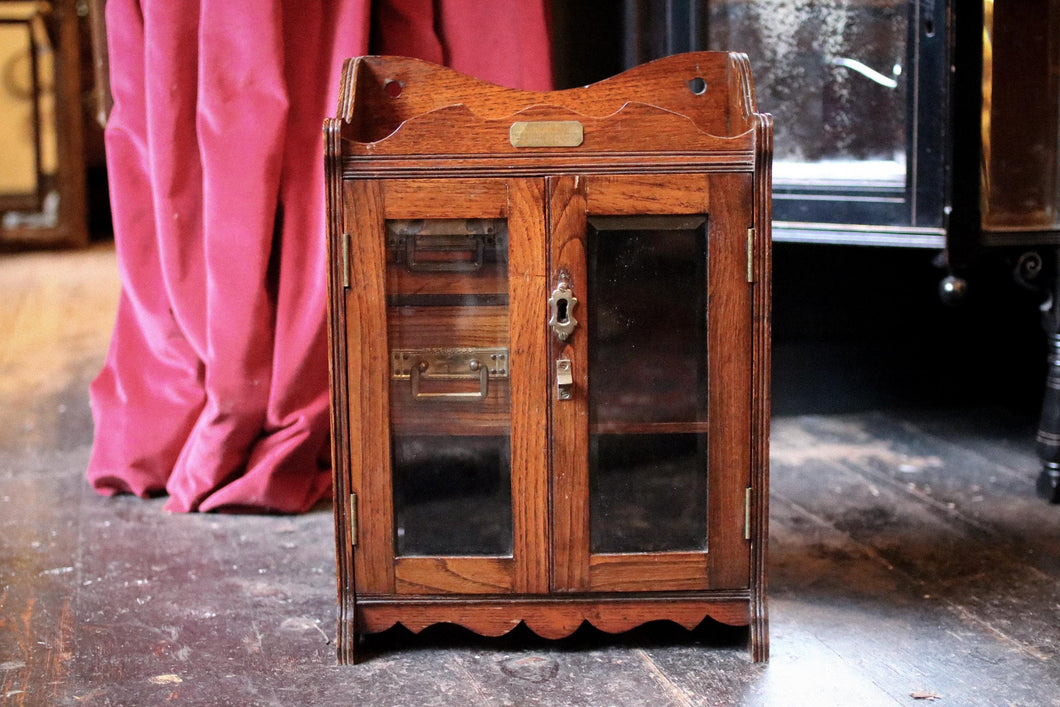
[[214, 389]]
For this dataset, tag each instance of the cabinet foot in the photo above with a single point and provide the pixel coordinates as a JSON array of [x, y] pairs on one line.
[[346, 639]]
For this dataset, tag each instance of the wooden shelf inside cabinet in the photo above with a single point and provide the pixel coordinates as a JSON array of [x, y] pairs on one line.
[[550, 349]]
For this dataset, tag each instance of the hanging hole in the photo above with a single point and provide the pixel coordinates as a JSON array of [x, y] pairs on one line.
[[393, 88], [697, 86], [929, 27]]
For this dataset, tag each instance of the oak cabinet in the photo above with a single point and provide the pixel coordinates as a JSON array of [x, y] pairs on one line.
[[549, 349]]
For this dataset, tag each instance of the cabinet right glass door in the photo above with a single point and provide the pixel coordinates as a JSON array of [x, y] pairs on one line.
[[651, 353]]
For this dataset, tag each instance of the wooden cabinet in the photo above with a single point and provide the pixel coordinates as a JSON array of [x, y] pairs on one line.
[[550, 349]]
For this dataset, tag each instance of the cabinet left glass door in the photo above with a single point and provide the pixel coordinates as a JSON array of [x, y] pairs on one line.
[[451, 480]]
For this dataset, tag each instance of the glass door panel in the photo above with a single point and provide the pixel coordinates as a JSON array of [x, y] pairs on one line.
[[647, 481], [450, 384], [647, 280], [447, 313]]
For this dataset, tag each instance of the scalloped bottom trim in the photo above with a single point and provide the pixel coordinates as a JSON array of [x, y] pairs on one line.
[[549, 618]]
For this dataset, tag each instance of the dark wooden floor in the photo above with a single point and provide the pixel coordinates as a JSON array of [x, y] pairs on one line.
[[909, 560]]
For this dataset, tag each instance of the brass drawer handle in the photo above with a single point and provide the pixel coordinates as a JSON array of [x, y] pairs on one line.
[[474, 366], [445, 364], [474, 245]]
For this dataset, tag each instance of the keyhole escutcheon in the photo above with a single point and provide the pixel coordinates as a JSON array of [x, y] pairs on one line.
[[561, 311]]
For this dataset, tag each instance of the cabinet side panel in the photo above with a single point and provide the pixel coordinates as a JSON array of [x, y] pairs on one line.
[[730, 378], [763, 297], [340, 460], [570, 418], [529, 382], [368, 373]]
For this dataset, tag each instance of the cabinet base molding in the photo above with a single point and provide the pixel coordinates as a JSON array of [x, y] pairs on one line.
[[549, 617]]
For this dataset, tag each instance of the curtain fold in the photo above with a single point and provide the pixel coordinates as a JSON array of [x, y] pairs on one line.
[[214, 389]]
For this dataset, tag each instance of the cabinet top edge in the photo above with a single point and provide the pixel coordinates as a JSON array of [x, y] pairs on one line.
[[387, 100]]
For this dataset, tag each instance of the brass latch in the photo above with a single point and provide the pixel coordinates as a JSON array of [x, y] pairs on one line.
[[564, 379]]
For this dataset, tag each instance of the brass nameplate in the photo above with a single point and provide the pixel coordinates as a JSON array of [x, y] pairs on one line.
[[546, 133]]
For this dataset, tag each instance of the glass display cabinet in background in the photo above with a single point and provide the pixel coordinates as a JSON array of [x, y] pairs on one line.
[[862, 88], [550, 349], [908, 123]]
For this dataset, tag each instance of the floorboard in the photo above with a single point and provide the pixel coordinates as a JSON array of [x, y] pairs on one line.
[[910, 563]]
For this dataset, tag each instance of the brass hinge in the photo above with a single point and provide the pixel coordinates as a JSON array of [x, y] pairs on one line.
[[353, 520], [346, 260], [750, 254], [747, 514]]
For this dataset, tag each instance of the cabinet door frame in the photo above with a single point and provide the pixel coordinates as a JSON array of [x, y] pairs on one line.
[[725, 199], [378, 570]]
